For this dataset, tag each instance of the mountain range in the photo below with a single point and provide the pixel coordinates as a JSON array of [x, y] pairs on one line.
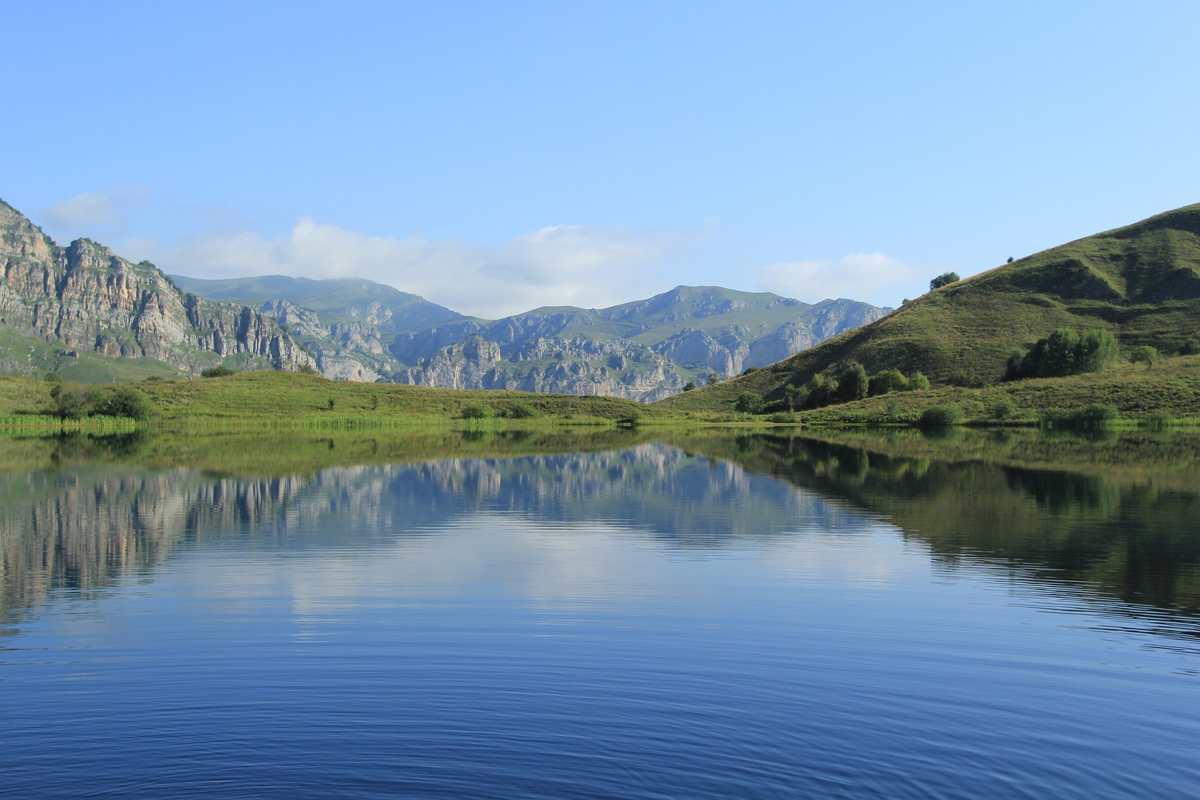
[[85, 312]]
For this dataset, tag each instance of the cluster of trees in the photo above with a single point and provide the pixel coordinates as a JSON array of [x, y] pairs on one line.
[[850, 383], [1064, 352], [124, 401]]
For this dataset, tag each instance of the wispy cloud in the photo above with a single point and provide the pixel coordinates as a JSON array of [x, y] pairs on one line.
[[873, 277], [94, 213], [565, 264]]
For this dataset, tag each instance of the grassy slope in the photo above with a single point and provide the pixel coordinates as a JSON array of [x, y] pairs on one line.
[[283, 397], [1141, 282], [1172, 386]]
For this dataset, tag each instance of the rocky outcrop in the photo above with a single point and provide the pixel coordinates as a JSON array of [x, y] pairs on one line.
[[88, 298], [607, 368]]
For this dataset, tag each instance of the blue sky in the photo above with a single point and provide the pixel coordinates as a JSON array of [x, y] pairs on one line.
[[498, 156]]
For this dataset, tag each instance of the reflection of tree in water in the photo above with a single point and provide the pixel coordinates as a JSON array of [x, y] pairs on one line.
[[1129, 539]]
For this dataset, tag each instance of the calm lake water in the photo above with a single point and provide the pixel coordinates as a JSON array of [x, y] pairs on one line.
[[621, 615]]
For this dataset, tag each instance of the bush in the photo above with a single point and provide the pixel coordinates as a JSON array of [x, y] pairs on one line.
[[853, 383], [1094, 415], [889, 380], [750, 403], [820, 391], [477, 411], [918, 382], [687, 387], [964, 378], [945, 279], [1144, 354], [1002, 409], [307, 369], [1158, 420], [941, 416], [126, 402], [749, 370], [1191, 347], [519, 410], [217, 372], [53, 377], [783, 417], [71, 405], [1063, 353]]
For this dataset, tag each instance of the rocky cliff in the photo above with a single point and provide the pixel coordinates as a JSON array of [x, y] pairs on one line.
[[87, 298]]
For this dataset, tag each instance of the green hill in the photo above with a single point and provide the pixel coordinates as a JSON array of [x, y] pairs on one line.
[[1141, 282]]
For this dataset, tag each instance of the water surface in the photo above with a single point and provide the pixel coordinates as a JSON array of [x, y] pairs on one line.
[[620, 615]]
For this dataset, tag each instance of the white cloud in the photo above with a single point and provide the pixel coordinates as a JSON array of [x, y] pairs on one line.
[[872, 277], [85, 212], [559, 265]]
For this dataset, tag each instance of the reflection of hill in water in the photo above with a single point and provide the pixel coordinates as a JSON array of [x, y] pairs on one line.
[[1128, 530], [84, 516]]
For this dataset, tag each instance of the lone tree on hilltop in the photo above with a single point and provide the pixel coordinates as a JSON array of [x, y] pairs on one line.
[[945, 279]]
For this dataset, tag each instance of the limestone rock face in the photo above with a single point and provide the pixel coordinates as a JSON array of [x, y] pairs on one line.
[[88, 298], [576, 365]]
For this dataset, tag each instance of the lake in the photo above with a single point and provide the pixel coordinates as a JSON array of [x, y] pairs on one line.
[[631, 614]]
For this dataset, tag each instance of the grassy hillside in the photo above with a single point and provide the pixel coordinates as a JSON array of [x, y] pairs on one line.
[[1172, 387], [1141, 282]]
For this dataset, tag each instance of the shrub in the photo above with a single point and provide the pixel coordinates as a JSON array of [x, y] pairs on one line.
[[941, 416], [217, 372], [783, 417], [893, 410], [918, 382], [687, 387], [1191, 347], [477, 411], [1002, 409], [519, 410], [1063, 353], [332, 403], [53, 377], [307, 369], [793, 396], [126, 402], [822, 390], [1158, 420], [1094, 415], [853, 383], [71, 405], [945, 279], [964, 378], [1144, 353], [889, 380], [749, 370], [750, 403]]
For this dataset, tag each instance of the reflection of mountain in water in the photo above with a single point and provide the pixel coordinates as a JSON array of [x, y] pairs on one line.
[[79, 527]]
